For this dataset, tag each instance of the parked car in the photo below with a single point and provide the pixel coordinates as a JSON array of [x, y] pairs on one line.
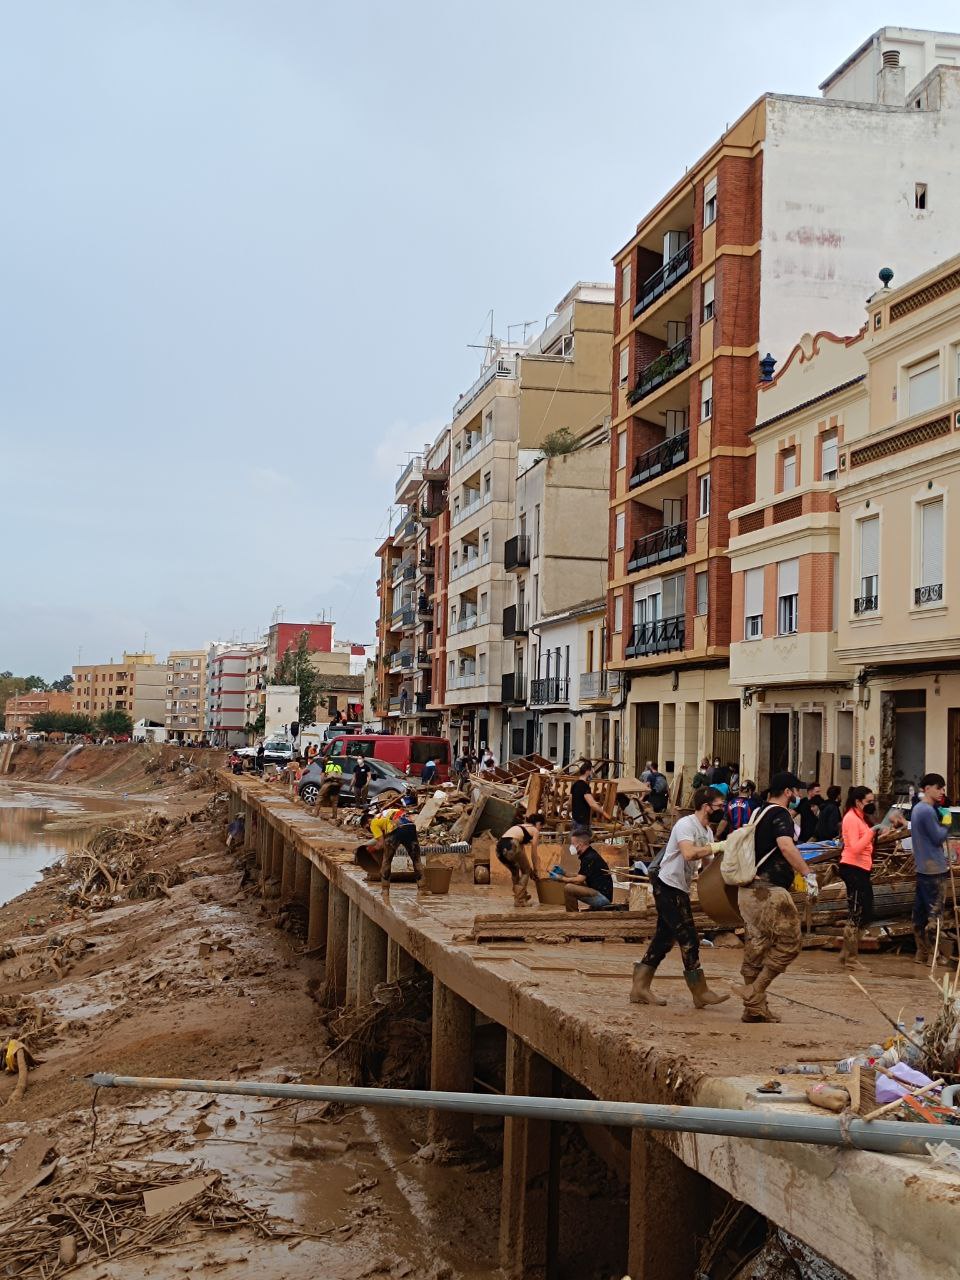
[[386, 781], [408, 752], [275, 751]]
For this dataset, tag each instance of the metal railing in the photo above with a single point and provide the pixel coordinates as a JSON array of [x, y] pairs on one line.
[[423, 658], [865, 604], [501, 367], [514, 621], [469, 510], [466, 681], [465, 566], [661, 370], [595, 685], [466, 623], [662, 635], [401, 660], [664, 278], [412, 471], [408, 617], [516, 552], [667, 543], [470, 454], [663, 457], [553, 689], [929, 594]]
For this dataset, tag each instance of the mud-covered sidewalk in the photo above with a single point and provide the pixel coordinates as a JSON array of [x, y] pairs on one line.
[[196, 979]]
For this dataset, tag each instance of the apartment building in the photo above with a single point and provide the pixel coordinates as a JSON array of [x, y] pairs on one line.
[[555, 561], [235, 687], [846, 637], [797, 703], [898, 490], [137, 685], [525, 395], [389, 632], [769, 233], [186, 692], [21, 708]]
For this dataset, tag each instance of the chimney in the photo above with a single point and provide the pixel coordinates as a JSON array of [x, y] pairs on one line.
[[892, 80]]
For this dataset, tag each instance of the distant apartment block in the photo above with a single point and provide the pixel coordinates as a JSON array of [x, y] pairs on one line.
[[185, 695], [22, 707], [137, 685]]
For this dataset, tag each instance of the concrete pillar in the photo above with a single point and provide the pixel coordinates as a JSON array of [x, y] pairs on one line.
[[372, 960], [528, 1211], [663, 1190], [353, 951], [338, 927], [451, 1062], [319, 906], [301, 887], [400, 964], [288, 875], [275, 862]]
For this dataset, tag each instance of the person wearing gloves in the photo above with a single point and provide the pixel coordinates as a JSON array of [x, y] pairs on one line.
[[690, 845], [928, 839], [856, 864], [772, 940]]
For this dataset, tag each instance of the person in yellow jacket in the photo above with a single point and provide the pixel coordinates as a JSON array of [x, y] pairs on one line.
[[329, 792], [393, 830]]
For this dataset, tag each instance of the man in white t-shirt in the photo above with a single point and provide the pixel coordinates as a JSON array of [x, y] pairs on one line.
[[671, 875]]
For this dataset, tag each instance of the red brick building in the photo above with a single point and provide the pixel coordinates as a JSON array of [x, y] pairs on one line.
[[20, 709]]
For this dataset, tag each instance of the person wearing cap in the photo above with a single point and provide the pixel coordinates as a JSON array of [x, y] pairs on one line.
[[772, 934]]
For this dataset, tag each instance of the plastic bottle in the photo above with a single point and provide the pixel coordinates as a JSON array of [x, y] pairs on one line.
[[919, 1027]]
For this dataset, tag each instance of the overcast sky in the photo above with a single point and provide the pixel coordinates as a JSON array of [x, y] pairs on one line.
[[244, 245]]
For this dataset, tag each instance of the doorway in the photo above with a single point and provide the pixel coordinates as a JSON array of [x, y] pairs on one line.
[[647, 737], [565, 758], [843, 769], [774, 747]]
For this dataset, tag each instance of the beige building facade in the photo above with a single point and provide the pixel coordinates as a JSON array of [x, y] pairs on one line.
[[186, 689], [137, 685]]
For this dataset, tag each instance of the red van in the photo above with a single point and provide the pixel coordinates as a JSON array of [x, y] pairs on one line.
[[407, 751]]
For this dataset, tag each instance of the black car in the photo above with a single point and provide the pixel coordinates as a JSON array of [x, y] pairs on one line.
[[386, 780]]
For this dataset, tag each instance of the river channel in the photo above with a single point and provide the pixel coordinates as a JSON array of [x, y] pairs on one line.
[[26, 847]]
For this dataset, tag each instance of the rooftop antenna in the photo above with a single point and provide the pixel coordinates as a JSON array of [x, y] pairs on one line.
[[276, 615], [489, 347]]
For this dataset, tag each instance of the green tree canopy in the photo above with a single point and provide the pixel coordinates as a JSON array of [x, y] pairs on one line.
[[114, 723], [63, 685], [61, 722], [294, 667]]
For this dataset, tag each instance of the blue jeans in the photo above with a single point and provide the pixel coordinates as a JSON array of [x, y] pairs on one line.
[[596, 903], [929, 900]]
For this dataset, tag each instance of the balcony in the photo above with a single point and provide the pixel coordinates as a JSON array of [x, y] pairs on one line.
[[398, 705], [865, 604], [466, 623], [471, 508], [554, 690], [500, 367], [423, 655], [514, 621], [662, 281], [660, 371], [424, 607], [466, 565], [406, 529], [599, 686], [662, 635], [408, 617], [469, 454], [513, 689], [663, 457], [466, 680], [932, 594], [668, 543], [516, 552], [420, 702], [432, 506], [401, 660], [409, 481], [427, 559]]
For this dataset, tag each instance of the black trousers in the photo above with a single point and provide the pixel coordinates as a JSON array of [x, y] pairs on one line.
[[859, 894], [674, 924]]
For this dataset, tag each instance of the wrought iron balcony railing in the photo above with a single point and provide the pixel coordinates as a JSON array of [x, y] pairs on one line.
[[928, 595], [663, 457], [667, 543], [865, 604], [666, 366], [662, 635], [665, 278], [549, 691]]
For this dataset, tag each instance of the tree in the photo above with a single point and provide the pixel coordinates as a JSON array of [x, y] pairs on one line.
[[559, 442], [114, 723], [295, 667], [63, 685], [11, 685], [61, 722], [258, 725]]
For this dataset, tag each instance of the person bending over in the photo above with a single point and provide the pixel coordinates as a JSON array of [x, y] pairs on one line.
[[517, 849]]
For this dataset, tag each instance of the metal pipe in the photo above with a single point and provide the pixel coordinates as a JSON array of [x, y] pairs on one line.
[[890, 1137]]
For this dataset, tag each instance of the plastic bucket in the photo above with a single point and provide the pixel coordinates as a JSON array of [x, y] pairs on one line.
[[717, 898], [437, 879], [550, 893]]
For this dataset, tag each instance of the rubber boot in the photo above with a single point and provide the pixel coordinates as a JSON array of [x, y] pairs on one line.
[[701, 993], [755, 1007], [923, 947], [640, 992], [850, 948]]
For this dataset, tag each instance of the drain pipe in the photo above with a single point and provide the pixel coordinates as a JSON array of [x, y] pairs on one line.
[[889, 1137]]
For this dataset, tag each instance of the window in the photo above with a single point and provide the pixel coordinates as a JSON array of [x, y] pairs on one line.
[[753, 604], [828, 456], [923, 386], [618, 614], [536, 530], [626, 281], [789, 472], [869, 531], [621, 450], [488, 424], [624, 364], [930, 586], [674, 595], [920, 195], [486, 484], [708, 305], [706, 398], [485, 549], [710, 202], [481, 664], [484, 603], [621, 524], [788, 586], [703, 495], [701, 582]]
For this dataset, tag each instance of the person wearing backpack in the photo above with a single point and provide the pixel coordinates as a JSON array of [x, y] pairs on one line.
[[772, 935], [671, 875], [659, 788]]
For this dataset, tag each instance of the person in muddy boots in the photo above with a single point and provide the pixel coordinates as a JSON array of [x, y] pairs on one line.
[[593, 884], [671, 876], [928, 839], [772, 940], [394, 831], [856, 864], [361, 781], [517, 849], [329, 793]]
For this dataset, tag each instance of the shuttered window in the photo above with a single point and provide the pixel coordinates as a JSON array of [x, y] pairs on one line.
[[788, 586], [673, 595], [753, 604], [923, 386], [931, 544], [870, 557]]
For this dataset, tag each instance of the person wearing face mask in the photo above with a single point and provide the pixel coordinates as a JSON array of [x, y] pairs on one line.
[[593, 884], [772, 932], [856, 864], [671, 875]]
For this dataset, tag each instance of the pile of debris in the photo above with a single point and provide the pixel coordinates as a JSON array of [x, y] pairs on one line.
[[111, 865]]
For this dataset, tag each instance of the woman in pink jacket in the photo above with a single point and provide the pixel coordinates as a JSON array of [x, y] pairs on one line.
[[856, 864]]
